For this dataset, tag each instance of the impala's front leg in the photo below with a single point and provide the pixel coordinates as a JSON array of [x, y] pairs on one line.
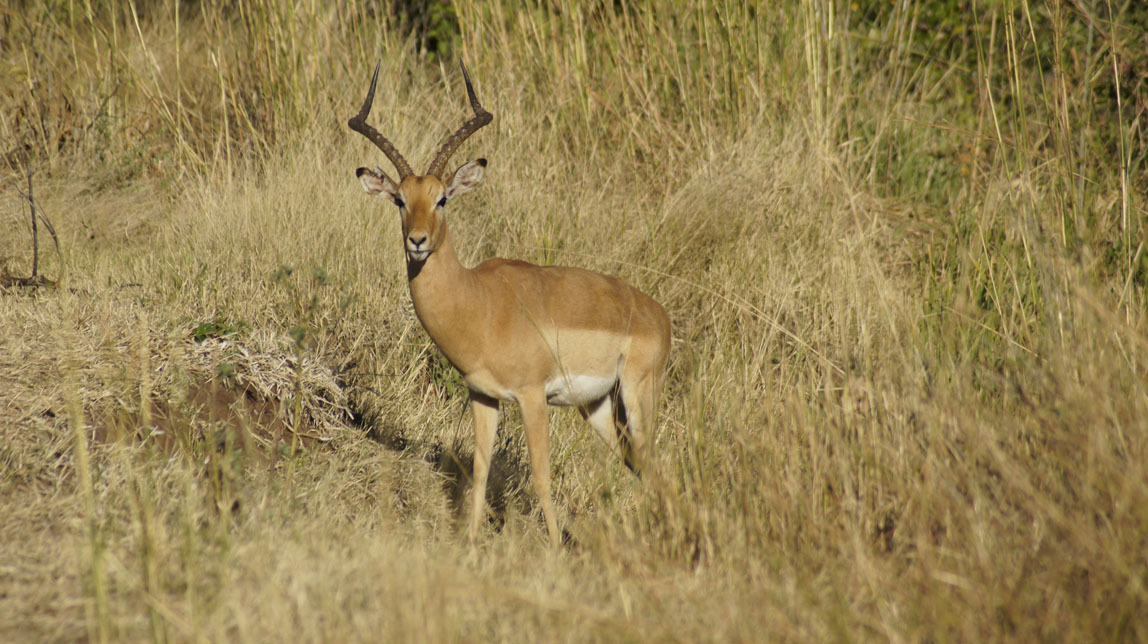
[[538, 445], [485, 412]]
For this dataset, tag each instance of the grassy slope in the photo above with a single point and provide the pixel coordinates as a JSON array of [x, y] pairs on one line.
[[907, 391]]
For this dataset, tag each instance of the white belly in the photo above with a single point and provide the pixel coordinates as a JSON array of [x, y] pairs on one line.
[[575, 389]]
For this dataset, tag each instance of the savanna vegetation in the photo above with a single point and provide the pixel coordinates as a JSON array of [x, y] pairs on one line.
[[902, 246]]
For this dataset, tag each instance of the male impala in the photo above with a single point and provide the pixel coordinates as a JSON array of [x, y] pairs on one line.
[[534, 335]]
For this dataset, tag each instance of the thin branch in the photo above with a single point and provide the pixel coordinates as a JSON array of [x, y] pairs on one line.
[[35, 235], [36, 279]]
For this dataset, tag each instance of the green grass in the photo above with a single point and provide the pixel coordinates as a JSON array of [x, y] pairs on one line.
[[902, 247]]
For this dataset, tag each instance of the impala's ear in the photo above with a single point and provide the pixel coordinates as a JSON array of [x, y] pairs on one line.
[[376, 182], [466, 178]]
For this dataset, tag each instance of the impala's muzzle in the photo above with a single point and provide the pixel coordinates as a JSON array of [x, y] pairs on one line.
[[417, 247]]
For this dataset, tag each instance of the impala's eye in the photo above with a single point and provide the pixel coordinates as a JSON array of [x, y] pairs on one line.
[[441, 202], [399, 202]]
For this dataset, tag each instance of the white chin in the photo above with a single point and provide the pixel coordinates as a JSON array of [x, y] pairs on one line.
[[418, 255]]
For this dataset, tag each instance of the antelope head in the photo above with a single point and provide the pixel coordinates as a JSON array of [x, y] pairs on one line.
[[421, 199]]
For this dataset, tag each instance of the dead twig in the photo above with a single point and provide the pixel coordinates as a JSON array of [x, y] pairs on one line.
[[36, 280]]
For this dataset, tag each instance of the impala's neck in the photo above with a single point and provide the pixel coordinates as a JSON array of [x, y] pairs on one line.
[[448, 303]]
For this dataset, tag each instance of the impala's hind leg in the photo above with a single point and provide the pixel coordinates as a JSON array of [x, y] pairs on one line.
[[608, 418], [600, 415], [635, 416]]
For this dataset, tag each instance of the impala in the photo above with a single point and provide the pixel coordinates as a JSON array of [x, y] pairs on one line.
[[535, 335]]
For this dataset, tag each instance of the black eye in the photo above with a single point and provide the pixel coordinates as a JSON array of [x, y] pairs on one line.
[[442, 202], [399, 202]]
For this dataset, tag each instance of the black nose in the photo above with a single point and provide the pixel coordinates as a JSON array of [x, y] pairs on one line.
[[417, 242]]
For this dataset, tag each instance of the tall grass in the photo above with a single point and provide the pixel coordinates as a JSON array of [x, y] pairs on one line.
[[902, 246]]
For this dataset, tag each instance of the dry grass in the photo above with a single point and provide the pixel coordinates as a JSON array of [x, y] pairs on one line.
[[907, 395]]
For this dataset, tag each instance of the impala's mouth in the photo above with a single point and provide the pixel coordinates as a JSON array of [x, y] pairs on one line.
[[418, 255]]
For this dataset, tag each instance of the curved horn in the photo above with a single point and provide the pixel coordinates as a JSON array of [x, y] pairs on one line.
[[481, 118], [358, 123]]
